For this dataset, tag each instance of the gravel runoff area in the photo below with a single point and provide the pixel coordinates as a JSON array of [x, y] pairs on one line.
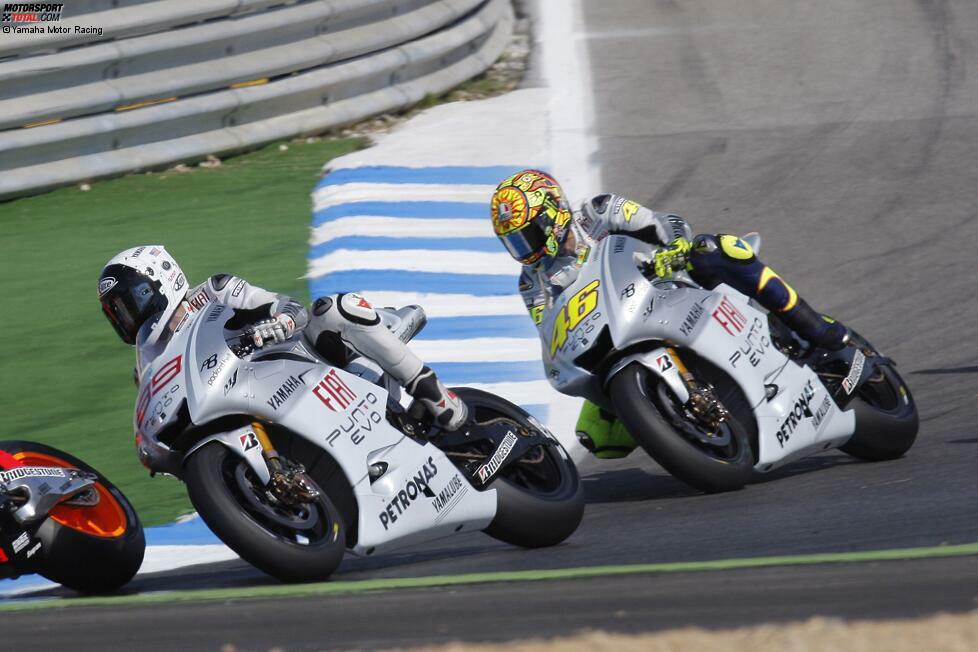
[[946, 633]]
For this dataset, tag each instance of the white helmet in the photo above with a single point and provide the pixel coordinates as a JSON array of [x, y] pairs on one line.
[[138, 284]]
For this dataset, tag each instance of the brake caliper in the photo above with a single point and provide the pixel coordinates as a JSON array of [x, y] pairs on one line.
[[706, 407]]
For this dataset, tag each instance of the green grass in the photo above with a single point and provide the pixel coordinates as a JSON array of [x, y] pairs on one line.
[[67, 378]]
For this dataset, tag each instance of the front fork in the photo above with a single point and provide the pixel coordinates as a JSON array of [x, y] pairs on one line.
[[698, 398], [291, 485], [703, 402]]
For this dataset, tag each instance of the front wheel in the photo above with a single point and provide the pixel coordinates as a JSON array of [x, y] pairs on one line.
[[89, 548], [708, 461], [540, 501], [294, 543]]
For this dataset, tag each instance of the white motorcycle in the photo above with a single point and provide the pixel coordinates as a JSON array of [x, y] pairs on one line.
[[710, 386], [291, 460]]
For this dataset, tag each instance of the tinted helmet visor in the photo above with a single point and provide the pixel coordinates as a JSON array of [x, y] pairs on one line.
[[528, 244], [129, 299]]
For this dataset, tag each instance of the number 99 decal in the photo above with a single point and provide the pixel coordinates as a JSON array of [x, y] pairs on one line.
[[577, 308]]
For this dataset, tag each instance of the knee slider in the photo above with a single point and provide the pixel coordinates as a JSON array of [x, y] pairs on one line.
[[704, 244], [356, 309], [220, 281]]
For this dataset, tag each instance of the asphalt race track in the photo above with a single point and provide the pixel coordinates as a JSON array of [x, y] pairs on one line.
[[499, 612], [845, 132]]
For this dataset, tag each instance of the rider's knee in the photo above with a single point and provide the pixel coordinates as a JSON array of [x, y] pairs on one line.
[[323, 332], [724, 258], [722, 249], [774, 293], [356, 309], [341, 311]]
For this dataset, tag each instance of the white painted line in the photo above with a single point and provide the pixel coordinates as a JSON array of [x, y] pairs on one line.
[[479, 349], [158, 559], [526, 392], [24, 585], [400, 227], [566, 66], [415, 260], [451, 305], [164, 558], [396, 192]]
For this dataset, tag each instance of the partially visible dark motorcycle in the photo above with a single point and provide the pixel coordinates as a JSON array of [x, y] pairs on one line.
[[61, 518]]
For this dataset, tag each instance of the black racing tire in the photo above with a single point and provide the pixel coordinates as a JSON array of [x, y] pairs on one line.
[[886, 420], [215, 491], [637, 405], [528, 514], [89, 549]]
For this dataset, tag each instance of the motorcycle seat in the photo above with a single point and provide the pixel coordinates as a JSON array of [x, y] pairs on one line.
[[405, 322]]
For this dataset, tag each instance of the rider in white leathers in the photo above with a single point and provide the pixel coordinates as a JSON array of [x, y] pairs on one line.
[[144, 295]]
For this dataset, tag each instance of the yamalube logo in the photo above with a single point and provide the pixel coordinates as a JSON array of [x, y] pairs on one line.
[[447, 495]]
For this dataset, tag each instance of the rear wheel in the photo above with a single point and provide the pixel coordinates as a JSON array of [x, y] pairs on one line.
[[886, 418], [540, 501], [89, 548], [294, 543], [711, 460]]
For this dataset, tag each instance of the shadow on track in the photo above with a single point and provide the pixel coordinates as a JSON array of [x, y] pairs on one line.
[[627, 485], [950, 370]]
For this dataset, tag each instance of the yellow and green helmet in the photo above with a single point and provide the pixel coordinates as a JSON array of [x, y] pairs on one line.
[[530, 215]]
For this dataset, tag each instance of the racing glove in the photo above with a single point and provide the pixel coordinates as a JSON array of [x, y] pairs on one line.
[[673, 257], [278, 329]]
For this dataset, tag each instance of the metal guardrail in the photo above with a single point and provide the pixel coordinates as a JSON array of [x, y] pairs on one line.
[[151, 100]]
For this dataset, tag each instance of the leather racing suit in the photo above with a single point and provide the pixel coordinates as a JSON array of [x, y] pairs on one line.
[[339, 327]]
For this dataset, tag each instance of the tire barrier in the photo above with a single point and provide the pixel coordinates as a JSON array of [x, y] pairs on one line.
[[249, 74]]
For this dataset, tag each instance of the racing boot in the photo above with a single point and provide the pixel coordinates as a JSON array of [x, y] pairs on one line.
[[449, 410], [820, 330], [602, 434]]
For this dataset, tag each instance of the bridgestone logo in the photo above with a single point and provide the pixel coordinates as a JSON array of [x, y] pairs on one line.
[[487, 470], [855, 372], [31, 472]]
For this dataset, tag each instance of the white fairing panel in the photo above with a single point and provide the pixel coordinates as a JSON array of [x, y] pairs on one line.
[[794, 412], [802, 419], [420, 496]]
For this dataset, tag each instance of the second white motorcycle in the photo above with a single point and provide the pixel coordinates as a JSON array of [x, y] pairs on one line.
[[710, 386]]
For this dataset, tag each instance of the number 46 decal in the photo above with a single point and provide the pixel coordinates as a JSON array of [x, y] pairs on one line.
[[573, 313]]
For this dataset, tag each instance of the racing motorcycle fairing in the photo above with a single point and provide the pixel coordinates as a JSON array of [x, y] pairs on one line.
[[27, 494], [613, 315], [198, 380]]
